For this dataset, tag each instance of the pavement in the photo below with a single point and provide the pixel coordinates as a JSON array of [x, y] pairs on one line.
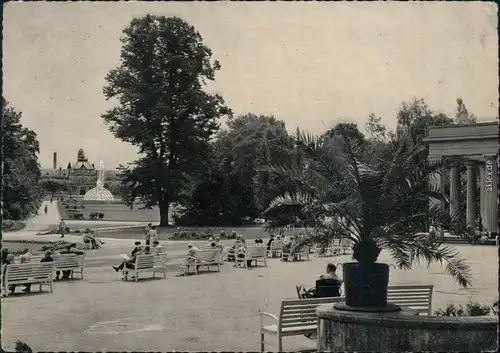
[[214, 311]]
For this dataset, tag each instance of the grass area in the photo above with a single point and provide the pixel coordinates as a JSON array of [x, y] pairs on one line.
[[167, 232], [113, 211], [12, 226]]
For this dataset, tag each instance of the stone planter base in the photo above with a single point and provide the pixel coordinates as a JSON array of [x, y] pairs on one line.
[[340, 330]]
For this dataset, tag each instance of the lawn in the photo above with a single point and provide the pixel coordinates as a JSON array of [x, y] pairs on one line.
[[113, 211]]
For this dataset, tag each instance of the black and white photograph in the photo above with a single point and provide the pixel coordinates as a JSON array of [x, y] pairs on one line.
[[249, 176]]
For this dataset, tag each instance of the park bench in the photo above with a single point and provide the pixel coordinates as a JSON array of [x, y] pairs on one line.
[[296, 318], [30, 272], [277, 248], [252, 253], [203, 257], [143, 263], [69, 262], [158, 250], [160, 263], [417, 297]]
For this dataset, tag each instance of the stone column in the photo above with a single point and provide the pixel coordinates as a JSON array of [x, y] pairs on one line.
[[454, 189], [482, 194], [471, 193], [436, 180], [491, 193]]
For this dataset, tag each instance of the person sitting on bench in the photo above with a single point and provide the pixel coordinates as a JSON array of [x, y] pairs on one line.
[[70, 249], [328, 285], [129, 261]]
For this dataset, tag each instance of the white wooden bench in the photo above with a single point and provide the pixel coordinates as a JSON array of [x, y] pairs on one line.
[[143, 263], [277, 248], [28, 273], [204, 257], [296, 318], [160, 263], [304, 252], [69, 262], [417, 297], [158, 250], [252, 253]]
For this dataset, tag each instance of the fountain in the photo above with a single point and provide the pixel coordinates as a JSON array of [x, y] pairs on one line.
[[99, 193]]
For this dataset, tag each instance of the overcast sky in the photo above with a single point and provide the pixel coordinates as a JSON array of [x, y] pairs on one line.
[[310, 64]]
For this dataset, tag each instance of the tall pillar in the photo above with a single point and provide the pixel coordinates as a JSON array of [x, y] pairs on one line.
[[471, 193], [491, 194], [436, 182], [454, 189], [482, 194]]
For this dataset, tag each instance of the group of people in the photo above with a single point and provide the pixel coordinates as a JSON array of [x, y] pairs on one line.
[[289, 245], [8, 258], [138, 249]]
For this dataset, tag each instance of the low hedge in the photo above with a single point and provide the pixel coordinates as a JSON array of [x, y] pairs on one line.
[[189, 235], [471, 309]]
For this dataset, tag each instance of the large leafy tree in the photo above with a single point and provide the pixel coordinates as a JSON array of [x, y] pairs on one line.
[[233, 190], [21, 172], [163, 108], [376, 205]]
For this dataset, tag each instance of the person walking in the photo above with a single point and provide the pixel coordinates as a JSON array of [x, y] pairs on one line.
[[46, 208], [147, 235], [62, 228]]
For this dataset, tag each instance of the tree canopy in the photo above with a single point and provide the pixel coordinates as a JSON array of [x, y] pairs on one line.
[[163, 108], [21, 172]]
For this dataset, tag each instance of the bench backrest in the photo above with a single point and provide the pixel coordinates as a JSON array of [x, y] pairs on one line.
[[66, 260], [41, 270], [277, 245], [416, 297], [208, 255], [158, 250], [144, 261], [256, 251], [160, 259], [302, 311]]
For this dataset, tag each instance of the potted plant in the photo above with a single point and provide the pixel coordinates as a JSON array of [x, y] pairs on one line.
[[377, 199]]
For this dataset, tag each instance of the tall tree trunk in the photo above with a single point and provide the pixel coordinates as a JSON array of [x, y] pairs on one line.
[[164, 210]]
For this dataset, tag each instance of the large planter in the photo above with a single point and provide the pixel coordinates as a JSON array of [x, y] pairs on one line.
[[365, 285]]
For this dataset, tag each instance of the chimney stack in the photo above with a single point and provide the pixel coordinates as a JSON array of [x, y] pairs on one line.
[[55, 160]]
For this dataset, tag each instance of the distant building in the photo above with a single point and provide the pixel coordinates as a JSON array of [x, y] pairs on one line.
[[80, 176]]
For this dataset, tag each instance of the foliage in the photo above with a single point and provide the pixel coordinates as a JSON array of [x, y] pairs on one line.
[[163, 109], [53, 185], [96, 215], [375, 204], [471, 309], [187, 235], [22, 347], [233, 190], [21, 173]]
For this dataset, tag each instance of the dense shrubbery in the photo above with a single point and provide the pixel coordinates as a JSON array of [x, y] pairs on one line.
[[471, 309], [55, 246], [96, 215], [191, 235]]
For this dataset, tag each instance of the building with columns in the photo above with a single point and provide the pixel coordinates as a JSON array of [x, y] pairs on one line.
[[476, 144]]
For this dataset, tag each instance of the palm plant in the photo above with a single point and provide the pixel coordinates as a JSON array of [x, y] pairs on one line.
[[376, 200]]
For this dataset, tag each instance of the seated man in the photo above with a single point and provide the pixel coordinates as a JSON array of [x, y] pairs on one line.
[[191, 254], [129, 261], [70, 249], [329, 285], [89, 237]]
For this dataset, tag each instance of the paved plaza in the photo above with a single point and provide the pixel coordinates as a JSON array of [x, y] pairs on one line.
[[207, 312]]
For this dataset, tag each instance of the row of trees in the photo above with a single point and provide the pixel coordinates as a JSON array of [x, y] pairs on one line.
[[216, 174]]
